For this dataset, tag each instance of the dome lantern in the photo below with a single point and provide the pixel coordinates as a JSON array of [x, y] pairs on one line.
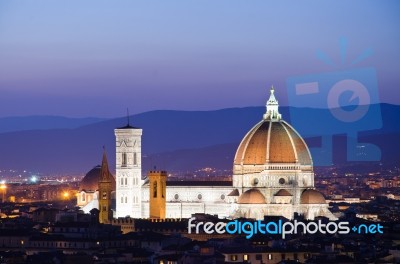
[[272, 105]]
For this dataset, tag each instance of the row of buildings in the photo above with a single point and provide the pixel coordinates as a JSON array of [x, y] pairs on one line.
[[50, 235]]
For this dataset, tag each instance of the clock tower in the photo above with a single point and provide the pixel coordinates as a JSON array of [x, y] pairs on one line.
[[128, 171]]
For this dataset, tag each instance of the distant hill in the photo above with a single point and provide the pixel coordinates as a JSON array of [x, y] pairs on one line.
[[171, 139], [20, 123]]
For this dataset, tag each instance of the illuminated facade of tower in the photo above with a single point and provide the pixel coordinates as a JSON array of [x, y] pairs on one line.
[[105, 190], [157, 194], [128, 171]]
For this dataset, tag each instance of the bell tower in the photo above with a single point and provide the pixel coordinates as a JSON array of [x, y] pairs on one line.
[[105, 189], [128, 171], [157, 182]]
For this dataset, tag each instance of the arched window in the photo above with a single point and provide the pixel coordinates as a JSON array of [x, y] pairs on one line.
[[122, 181], [124, 159], [126, 181]]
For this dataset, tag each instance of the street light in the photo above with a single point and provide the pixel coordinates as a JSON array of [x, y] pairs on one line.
[[66, 195]]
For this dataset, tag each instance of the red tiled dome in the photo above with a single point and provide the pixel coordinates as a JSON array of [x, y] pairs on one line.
[[91, 180], [272, 142], [252, 196], [312, 197]]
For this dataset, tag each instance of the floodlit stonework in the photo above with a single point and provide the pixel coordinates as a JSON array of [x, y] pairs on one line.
[[272, 175]]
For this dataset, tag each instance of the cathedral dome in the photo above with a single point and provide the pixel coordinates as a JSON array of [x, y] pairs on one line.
[[252, 196], [271, 141], [90, 182], [312, 197], [283, 192]]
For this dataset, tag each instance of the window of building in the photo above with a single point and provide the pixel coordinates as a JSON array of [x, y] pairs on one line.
[[269, 256], [126, 180], [234, 257], [176, 196], [199, 196], [104, 195], [104, 208], [124, 159], [222, 196], [155, 189], [83, 197], [134, 158], [122, 181], [126, 199], [245, 257], [122, 199]]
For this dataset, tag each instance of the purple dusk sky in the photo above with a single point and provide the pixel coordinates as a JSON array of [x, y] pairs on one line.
[[95, 58]]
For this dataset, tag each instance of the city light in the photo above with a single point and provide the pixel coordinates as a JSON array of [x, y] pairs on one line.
[[34, 179], [3, 189]]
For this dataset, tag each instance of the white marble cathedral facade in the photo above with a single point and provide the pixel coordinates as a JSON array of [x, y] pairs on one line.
[[183, 198]]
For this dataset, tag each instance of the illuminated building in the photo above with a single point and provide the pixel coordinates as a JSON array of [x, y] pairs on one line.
[[272, 175]]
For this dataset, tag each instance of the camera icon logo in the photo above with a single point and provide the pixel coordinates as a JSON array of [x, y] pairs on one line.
[[344, 102], [358, 90]]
